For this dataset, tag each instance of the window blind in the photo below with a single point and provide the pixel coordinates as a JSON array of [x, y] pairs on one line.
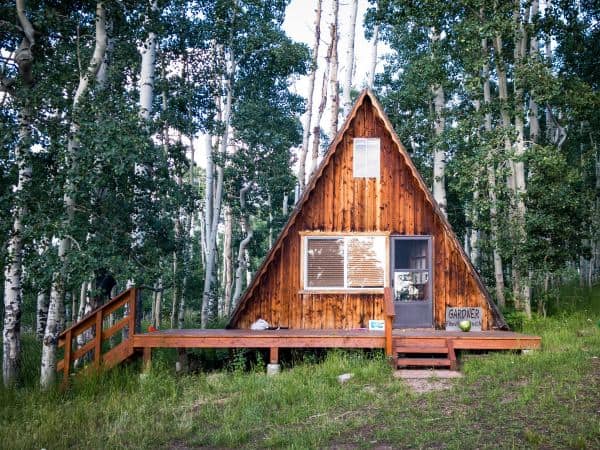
[[365, 264], [325, 263]]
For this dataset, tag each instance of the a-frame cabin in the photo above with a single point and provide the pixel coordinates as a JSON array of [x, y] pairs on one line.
[[365, 221], [366, 241]]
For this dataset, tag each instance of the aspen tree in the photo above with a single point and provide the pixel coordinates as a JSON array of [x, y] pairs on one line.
[[309, 105], [57, 293], [13, 290], [347, 87]]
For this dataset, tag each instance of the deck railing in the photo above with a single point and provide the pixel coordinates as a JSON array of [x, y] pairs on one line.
[[390, 313], [96, 331]]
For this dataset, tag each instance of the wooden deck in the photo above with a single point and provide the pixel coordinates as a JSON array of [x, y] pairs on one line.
[[421, 341], [297, 338], [112, 334]]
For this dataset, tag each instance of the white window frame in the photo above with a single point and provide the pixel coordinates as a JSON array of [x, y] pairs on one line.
[[360, 163], [345, 238]]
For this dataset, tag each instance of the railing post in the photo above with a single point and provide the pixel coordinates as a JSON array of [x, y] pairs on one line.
[[98, 340], [388, 307], [132, 312], [67, 359], [138, 310], [451, 354]]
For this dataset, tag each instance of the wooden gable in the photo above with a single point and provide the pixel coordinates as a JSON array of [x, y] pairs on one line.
[[334, 201]]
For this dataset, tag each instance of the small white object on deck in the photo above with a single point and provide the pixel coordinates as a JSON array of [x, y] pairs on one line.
[[260, 324], [344, 377]]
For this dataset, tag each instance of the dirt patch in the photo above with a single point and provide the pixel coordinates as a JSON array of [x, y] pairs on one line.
[[423, 381], [423, 385]]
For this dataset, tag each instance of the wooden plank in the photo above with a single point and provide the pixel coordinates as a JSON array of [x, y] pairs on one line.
[[424, 362], [166, 341], [117, 354], [420, 349], [116, 327], [81, 351], [113, 306]]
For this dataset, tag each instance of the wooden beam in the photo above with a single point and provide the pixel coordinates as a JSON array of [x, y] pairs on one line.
[[116, 327], [451, 354], [147, 358], [176, 341], [81, 351], [98, 340], [274, 355], [390, 313]]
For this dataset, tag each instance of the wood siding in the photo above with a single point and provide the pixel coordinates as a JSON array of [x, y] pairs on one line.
[[338, 202]]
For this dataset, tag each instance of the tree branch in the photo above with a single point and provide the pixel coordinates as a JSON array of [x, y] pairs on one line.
[[25, 23]]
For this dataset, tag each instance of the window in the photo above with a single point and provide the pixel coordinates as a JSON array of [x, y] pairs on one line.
[[344, 262], [366, 158]]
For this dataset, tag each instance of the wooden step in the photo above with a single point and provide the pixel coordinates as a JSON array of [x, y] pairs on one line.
[[424, 362], [420, 349]]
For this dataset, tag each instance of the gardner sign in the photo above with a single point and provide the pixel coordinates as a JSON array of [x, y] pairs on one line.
[[455, 315]]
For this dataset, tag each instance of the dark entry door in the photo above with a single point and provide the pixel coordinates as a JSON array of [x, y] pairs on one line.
[[412, 281]]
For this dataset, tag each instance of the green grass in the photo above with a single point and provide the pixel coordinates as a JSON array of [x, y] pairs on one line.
[[548, 399]]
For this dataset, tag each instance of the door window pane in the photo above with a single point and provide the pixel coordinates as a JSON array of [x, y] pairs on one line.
[[411, 254], [411, 286]]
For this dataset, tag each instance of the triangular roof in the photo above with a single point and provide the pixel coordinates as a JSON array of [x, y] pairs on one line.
[[366, 93]]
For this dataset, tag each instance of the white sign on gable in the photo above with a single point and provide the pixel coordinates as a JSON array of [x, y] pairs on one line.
[[455, 315]]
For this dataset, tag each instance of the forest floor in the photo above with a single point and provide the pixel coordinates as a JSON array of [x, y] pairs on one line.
[[547, 399]]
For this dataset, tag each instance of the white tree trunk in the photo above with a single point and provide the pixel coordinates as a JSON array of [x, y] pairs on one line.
[[12, 276], [175, 292], [11, 360], [284, 206], [309, 107], [41, 316], [320, 111], [158, 304], [373, 65], [534, 123], [333, 74], [241, 258], [13, 290], [521, 287], [475, 251], [214, 212], [439, 155], [148, 53], [346, 89], [492, 185], [57, 294], [227, 263], [504, 111]]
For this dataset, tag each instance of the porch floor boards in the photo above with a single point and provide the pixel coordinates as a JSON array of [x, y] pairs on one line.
[[329, 338]]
